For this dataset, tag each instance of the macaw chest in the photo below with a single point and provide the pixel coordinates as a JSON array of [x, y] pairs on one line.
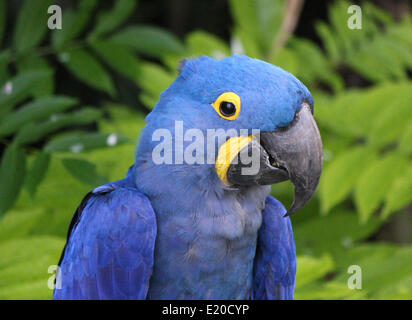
[[206, 256]]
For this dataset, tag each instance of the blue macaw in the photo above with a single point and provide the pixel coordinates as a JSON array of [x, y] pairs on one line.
[[202, 230]]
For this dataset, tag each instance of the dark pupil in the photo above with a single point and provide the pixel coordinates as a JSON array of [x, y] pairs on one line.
[[227, 108]]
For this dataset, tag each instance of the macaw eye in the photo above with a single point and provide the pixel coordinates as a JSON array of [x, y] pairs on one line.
[[227, 108], [227, 105]]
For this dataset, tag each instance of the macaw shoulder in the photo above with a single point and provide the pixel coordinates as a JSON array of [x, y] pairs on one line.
[[121, 212], [275, 212], [275, 261], [109, 251], [115, 219], [276, 234]]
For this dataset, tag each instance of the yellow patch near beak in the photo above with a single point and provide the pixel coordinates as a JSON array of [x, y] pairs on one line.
[[227, 152]]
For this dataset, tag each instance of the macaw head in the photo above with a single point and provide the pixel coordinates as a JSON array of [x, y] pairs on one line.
[[261, 112]]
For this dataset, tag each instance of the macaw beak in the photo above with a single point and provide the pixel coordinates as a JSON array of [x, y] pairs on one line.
[[293, 152]]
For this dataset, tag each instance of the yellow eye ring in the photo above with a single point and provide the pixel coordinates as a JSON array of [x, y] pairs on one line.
[[227, 105]]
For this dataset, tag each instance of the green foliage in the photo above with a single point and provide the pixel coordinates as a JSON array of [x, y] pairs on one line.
[[399, 195], [372, 185], [19, 88], [33, 111], [34, 119], [258, 24], [148, 40], [109, 20], [118, 57], [58, 151], [153, 80], [332, 233], [24, 268], [12, 171], [342, 174], [84, 66], [31, 25], [202, 43], [374, 120], [84, 171], [37, 172], [311, 269]]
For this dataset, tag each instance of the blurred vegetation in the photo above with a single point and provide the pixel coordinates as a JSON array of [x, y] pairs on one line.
[[56, 147]]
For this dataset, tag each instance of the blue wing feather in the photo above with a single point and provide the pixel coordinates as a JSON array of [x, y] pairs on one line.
[[110, 246], [275, 261]]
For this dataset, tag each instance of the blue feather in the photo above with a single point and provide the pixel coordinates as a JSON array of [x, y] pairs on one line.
[[109, 253], [275, 261]]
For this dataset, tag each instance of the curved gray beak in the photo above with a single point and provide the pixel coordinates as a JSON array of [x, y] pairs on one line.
[[293, 152]]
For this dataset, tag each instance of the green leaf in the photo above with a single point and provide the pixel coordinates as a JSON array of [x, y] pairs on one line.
[[392, 121], [83, 142], [12, 170], [341, 175], [378, 14], [338, 19], [375, 182], [28, 290], [73, 23], [149, 40], [203, 43], [85, 67], [368, 66], [18, 89], [3, 18], [391, 56], [332, 233], [400, 51], [310, 269], [57, 210], [361, 254], [401, 32], [123, 120], [5, 58], [34, 132], [37, 172], [243, 43], [44, 87], [319, 67], [24, 267], [245, 17], [399, 290], [84, 171], [31, 24], [355, 113], [17, 223], [153, 79], [328, 41], [382, 270], [112, 163], [399, 195], [111, 19], [258, 21], [405, 145], [365, 112], [33, 111], [286, 59], [119, 57], [331, 290]]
